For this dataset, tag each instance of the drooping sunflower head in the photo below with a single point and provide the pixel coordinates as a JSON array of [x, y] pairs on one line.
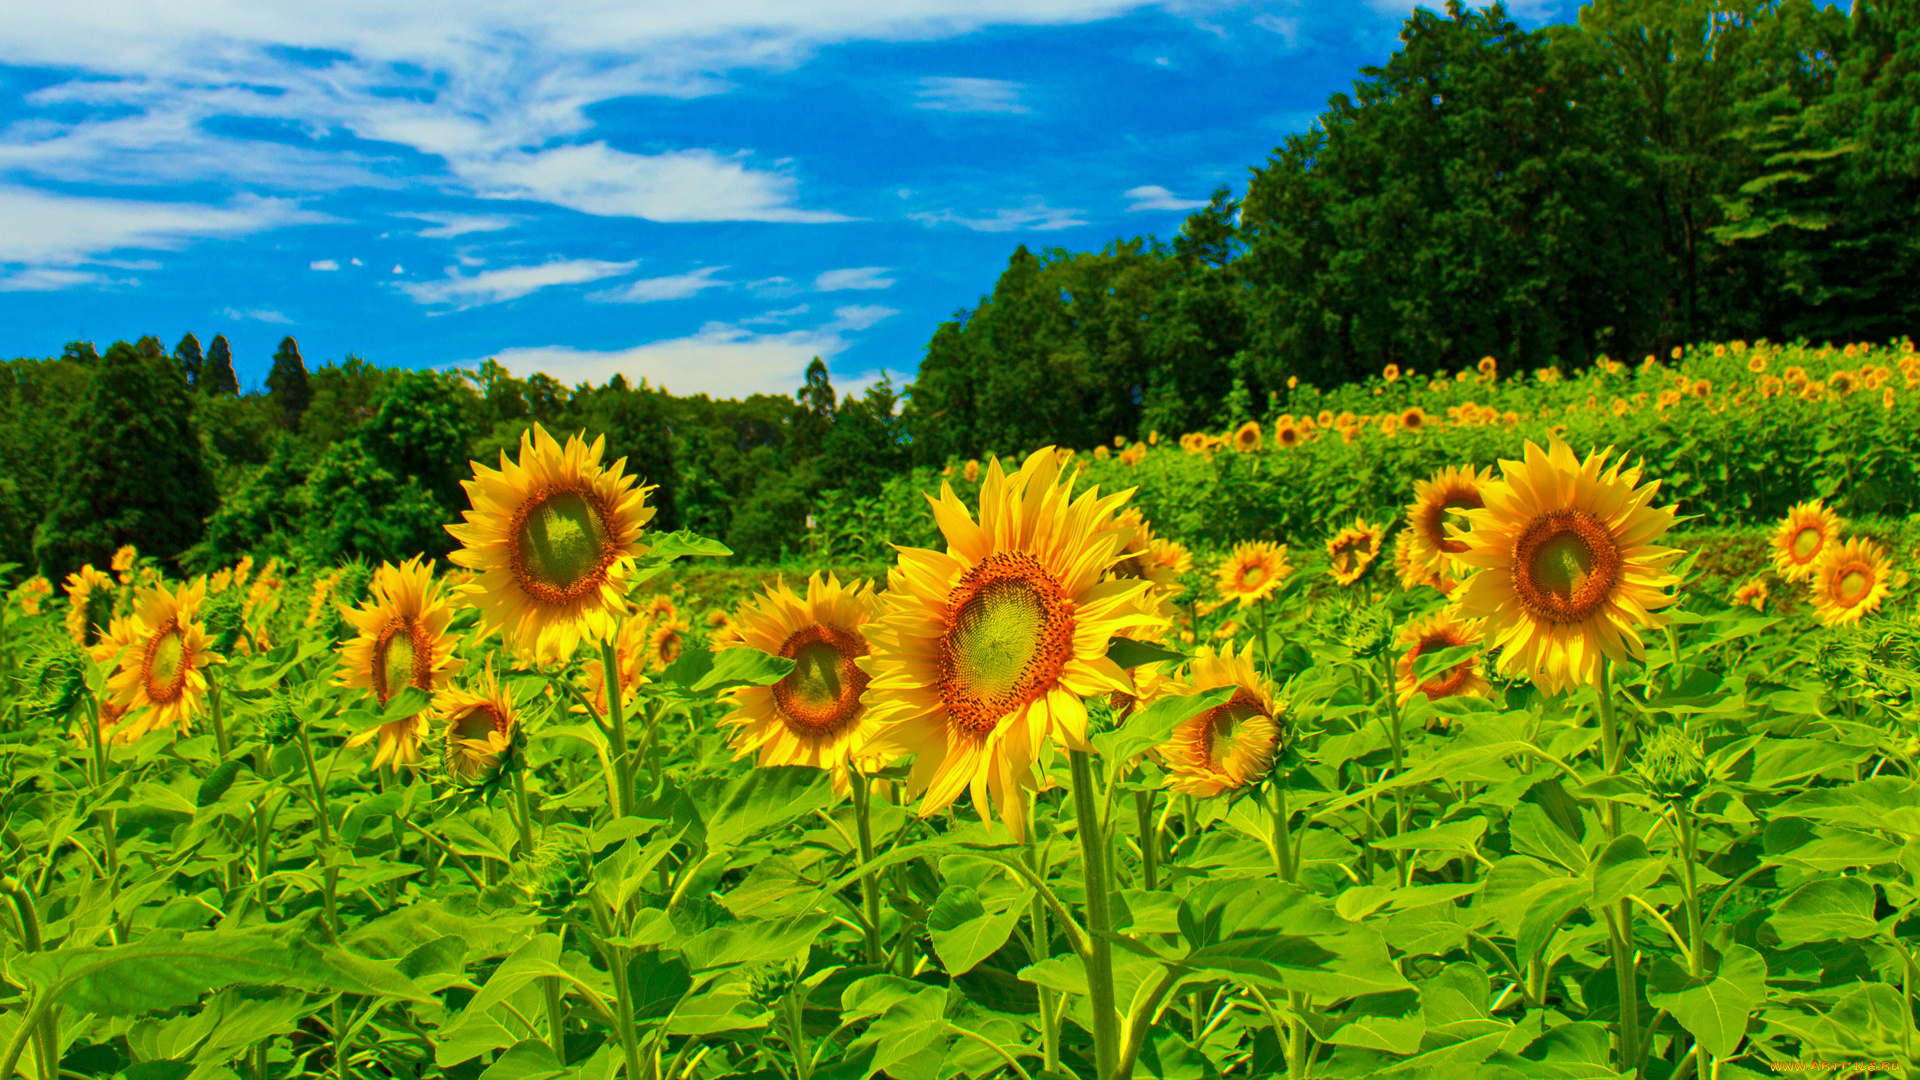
[[1454, 488], [89, 605], [553, 537], [1354, 548], [1848, 581], [816, 714], [665, 642], [480, 729], [161, 650], [1435, 634], [1230, 746], [983, 652], [1252, 571], [1807, 532], [1753, 593], [1566, 571]]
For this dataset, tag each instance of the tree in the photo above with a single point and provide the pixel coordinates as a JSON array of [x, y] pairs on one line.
[[814, 418], [80, 352], [287, 384], [187, 354], [133, 472], [217, 377]]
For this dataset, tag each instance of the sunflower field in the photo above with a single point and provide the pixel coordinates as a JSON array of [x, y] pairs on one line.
[[1399, 732]]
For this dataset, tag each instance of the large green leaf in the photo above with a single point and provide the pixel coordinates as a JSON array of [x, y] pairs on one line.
[[1713, 1009], [1625, 868], [964, 932], [1153, 725], [1829, 909], [736, 809]]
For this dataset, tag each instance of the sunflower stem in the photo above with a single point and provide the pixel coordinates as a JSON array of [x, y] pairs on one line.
[[1622, 920], [1402, 864], [46, 1033], [219, 717], [1099, 920], [616, 959], [1149, 839], [523, 815], [869, 890], [1283, 863], [1042, 949], [1696, 946], [616, 717]]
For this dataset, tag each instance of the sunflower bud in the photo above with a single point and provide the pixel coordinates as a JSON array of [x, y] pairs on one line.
[[1672, 764], [279, 726], [563, 874], [770, 984]]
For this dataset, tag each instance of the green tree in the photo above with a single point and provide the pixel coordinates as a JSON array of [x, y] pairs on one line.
[[814, 418], [867, 444], [133, 473], [217, 377], [188, 356], [288, 386]]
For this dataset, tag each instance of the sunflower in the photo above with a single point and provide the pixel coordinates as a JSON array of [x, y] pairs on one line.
[[1246, 438], [34, 590], [553, 536], [160, 649], [1849, 581], [479, 726], [630, 655], [89, 605], [1351, 550], [1567, 572], [1252, 572], [1808, 530], [1287, 437], [1753, 593], [984, 652], [816, 714], [1453, 488], [122, 563], [1153, 558], [402, 642], [1488, 366], [665, 642], [1414, 573], [1843, 382], [1391, 373], [1389, 424], [1433, 634], [1133, 454], [1229, 746]]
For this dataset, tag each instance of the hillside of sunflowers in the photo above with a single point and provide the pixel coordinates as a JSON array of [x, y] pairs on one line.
[[1442, 724]]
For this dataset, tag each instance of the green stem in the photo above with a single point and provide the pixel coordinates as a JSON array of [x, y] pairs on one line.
[[616, 719], [1099, 955], [523, 815], [797, 1035], [616, 960], [46, 1032], [1042, 949], [869, 889], [1149, 839], [1282, 842], [1623, 958], [1690, 852], [330, 876], [1401, 862], [552, 988], [219, 716]]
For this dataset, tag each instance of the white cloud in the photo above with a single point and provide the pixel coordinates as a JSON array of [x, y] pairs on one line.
[[356, 262], [681, 185], [265, 315], [1035, 216], [969, 95], [1155, 197], [1286, 27], [508, 283], [450, 225], [854, 277], [323, 264], [397, 269], [774, 318], [861, 316], [721, 360], [673, 287], [47, 229], [49, 279]]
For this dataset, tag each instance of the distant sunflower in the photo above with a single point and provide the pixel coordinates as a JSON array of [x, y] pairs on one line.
[[1808, 530], [553, 537], [983, 652], [815, 715], [122, 564], [971, 471], [402, 642], [1155, 559], [1488, 366], [89, 605], [1246, 438], [1414, 572], [1391, 373], [32, 592], [1324, 418], [1843, 382], [660, 608], [1351, 550], [1453, 488], [1757, 363], [479, 725], [1252, 571], [1287, 437], [1752, 593], [665, 642], [1230, 746], [1849, 581], [630, 655], [1567, 572], [1434, 634], [162, 650]]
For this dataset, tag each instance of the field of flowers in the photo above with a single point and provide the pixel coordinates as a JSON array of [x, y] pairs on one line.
[[1409, 733]]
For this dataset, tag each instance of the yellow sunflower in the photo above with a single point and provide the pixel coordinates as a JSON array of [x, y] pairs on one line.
[[1566, 569], [1753, 594], [1229, 746], [402, 642], [1287, 436], [1808, 530], [816, 714], [1453, 488], [161, 650], [89, 605], [659, 607], [631, 651], [479, 725], [122, 563], [34, 590], [984, 652], [1414, 418], [1433, 634], [1488, 366], [1351, 550], [1252, 572], [1154, 559], [1414, 573], [1849, 581], [1246, 438], [553, 537], [665, 642]]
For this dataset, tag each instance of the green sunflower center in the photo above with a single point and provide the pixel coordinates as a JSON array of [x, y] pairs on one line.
[[1253, 575], [561, 546], [166, 666], [994, 637], [1853, 585], [1566, 565], [401, 659], [1806, 542], [821, 695], [1009, 634], [1562, 564], [1227, 731], [477, 724]]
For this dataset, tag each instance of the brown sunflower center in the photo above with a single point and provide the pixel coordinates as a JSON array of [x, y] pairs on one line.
[[1806, 542], [561, 545], [402, 657], [1566, 565], [1852, 585], [1449, 683], [479, 722], [167, 664], [666, 646], [821, 695], [1009, 634], [1433, 521]]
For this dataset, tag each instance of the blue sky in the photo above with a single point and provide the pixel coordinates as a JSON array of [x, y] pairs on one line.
[[703, 194]]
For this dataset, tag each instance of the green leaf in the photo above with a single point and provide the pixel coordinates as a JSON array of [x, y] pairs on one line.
[[1829, 909], [1153, 725], [1452, 837], [1129, 653], [1534, 833], [1391, 1022], [407, 702], [683, 543], [1624, 869], [964, 932], [761, 942], [701, 671], [216, 784], [1714, 1010], [1544, 908], [529, 1059], [741, 807]]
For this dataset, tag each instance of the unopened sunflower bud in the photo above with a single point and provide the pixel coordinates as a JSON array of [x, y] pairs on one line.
[[1672, 764]]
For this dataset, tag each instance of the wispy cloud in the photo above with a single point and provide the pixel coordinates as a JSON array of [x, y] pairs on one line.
[[323, 264], [1155, 197], [861, 316], [1036, 216], [508, 283], [265, 315], [50, 279], [950, 94], [854, 277], [721, 360], [451, 225], [673, 287], [774, 318], [43, 228], [681, 185]]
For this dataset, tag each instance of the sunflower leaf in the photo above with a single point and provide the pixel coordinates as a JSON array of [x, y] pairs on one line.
[[407, 702], [1129, 653], [676, 545], [1154, 725], [702, 671]]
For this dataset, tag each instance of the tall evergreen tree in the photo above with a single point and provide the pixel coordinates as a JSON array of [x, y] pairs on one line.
[[287, 384], [814, 418], [188, 356], [133, 472], [217, 377]]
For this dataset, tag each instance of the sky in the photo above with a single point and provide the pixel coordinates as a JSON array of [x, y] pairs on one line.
[[705, 195]]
